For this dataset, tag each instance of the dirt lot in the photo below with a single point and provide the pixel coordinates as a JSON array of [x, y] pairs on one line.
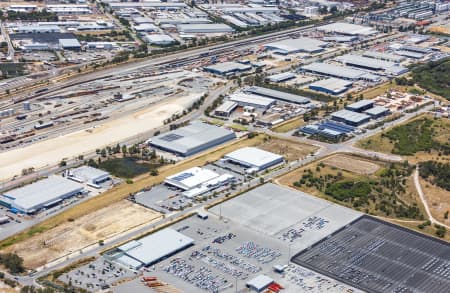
[[289, 149], [438, 200], [87, 230], [352, 164], [289, 125]]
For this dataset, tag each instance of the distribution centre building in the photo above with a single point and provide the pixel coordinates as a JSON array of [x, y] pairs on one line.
[[277, 95], [256, 101], [153, 248], [191, 178], [191, 139], [89, 174], [377, 112], [280, 77], [332, 86], [291, 46], [253, 158], [349, 29], [360, 106], [387, 67], [41, 194], [350, 117], [225, 109], [343, 72], [227, 68]]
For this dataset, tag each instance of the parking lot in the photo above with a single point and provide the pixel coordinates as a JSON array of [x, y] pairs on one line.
[[226, 255], [100, 274], [380, 257], [164, 198]]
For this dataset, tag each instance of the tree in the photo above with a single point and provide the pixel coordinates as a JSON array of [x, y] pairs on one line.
[[12, 262], [63, 163], [124, 150]]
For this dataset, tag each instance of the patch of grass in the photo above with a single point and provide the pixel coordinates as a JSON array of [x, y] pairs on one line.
[[289, 125], [127, 167], [437, 173]]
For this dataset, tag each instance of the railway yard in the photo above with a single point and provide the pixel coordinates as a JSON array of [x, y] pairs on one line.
[[218, 156]]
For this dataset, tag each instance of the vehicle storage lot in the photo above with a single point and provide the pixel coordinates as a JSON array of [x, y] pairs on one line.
[[232, 249], [224, 254], [379, 257], [287, 214]]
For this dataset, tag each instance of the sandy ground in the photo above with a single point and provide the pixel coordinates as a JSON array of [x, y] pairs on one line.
[[87, 230], [438, 200], [352, 164], [288, 149], [52, 151]]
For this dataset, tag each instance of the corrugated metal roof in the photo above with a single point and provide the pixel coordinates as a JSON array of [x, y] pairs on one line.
[[296, 45], [157, 245], [253, 157], [333, 84], [350, 116], [43, 191], [278, 95], [185, 139], [360, 104]]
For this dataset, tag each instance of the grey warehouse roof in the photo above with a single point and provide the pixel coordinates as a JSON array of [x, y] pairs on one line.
[[251, 99], [383, 56], [377, 110], [187, 139], [333, 84], [338, 71], [360, 104], [253, 157], [226, 67], [371, 63], [205, 28], [69, 43], [296, 45], [350, 116], [89, 174], [347, 29], [278, 95], [43, 191], [155, 246]]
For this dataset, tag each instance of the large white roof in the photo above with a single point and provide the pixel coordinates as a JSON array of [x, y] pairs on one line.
[[253, 157], [156, 246], [296, 45], [347, 29], [191, 178], [42, 192]]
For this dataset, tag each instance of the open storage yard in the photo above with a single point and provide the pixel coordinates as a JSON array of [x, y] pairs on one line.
[[77, 234], [379, 257]]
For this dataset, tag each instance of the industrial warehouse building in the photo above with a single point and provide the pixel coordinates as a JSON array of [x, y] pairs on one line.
[[191, 139], [255, 101], [204, 28], [384, 56], [280, 77], [328, 129], [225, 109], [191, 178], [387, 67], [227, 68], [153, 248], [277, 95], [349, 29], [343, 72], [197, 181], [69, 44], [350, 118], [41, 194], [291, 46], [253, 158], [88, 174], [332, 86], [360, 106], [377, 112]]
